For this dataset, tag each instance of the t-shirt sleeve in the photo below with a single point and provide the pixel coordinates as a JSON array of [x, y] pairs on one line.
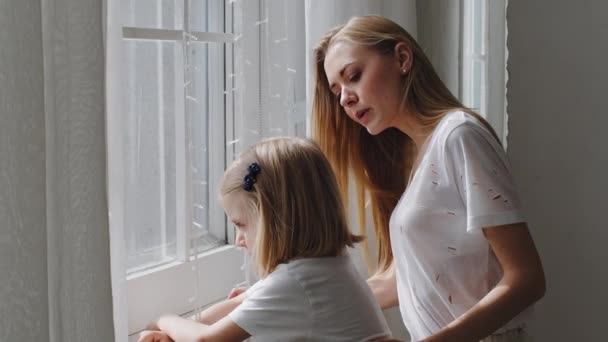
[[253, 287], [482, 174], [276, 309]]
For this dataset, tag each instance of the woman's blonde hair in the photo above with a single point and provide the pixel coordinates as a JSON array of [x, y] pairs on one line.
[[380, 164], [295, 199]]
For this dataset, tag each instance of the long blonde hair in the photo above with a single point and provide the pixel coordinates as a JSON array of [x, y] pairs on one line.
[[295, 199], [380, 164]]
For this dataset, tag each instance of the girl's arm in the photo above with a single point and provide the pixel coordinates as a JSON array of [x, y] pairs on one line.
[[522, 284], [213, 313], [384, 287], [185, 330], [220, 310]]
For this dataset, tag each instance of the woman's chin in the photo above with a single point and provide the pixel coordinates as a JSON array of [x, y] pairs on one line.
[[374, 129]]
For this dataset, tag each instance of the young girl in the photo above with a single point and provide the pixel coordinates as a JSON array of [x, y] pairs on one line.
[[454, 249], [283, 198]]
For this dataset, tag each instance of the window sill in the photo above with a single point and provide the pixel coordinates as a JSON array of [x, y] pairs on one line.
[[181, 287]]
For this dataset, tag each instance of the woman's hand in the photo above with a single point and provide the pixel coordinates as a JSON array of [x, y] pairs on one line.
[[153, 336], [384, 287]]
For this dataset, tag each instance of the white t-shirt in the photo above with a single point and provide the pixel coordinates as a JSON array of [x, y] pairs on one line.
[[444, 263], [312, 299]]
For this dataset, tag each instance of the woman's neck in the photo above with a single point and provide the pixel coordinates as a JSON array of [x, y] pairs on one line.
[[410, 124]]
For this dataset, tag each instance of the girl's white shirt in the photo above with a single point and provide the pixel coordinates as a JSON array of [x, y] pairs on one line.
[[312, 299], [444, 264]]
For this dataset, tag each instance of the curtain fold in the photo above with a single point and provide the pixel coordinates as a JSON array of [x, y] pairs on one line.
[[54, 247], [115, 187], [78, 253], [23, 271]]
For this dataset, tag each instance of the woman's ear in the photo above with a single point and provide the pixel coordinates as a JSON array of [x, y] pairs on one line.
[[403, 54]]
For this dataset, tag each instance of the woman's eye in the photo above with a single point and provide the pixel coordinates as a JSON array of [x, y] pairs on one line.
[[354, 77]]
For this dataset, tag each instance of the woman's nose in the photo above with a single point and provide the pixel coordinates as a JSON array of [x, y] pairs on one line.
[[347, 98]]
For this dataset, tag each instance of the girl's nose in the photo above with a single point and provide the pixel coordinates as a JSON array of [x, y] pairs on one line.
[[240, 239]]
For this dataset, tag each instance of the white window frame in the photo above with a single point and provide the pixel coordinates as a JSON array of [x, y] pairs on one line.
[[494, 58], [178, 287]]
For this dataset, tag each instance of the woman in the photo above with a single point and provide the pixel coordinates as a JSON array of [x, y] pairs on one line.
[[454, 251]]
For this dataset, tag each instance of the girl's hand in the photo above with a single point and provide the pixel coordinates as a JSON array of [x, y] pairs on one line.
[[153, 336], [153, 326], [236, 291]]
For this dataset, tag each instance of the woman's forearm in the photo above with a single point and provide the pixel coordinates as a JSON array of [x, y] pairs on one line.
[[495, 310]]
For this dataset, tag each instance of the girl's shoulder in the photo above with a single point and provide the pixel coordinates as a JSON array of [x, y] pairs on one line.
[[296, 274], [280, 280]]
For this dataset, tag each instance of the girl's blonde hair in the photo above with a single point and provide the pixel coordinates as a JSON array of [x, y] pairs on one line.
[[295, 199], [380, 164]]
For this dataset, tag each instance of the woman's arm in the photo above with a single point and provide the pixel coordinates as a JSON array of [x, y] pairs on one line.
[[384, 287], [185, 330], [522, 284]]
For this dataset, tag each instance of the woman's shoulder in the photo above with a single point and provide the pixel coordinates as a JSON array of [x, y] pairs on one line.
[[458, 125]]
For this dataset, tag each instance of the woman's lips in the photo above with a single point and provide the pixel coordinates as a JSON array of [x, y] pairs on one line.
[[362, 116]]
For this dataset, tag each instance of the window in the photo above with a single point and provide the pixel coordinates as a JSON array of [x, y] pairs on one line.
[[484, 61], [475, 55], [177, 119]]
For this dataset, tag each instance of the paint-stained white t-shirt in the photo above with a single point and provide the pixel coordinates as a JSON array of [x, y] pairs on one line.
[[444, 264], [312, 299]]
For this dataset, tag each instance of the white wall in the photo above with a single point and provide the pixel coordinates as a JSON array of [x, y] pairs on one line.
[[439, 37], [558, 122]]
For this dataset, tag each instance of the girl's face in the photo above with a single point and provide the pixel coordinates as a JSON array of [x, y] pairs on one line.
[[367, 84], [239, 213]]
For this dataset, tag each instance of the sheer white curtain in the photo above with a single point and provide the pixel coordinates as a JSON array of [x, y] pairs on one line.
[[79, 286], [23, 270], [54, 238], [269, 70], [57, 231]]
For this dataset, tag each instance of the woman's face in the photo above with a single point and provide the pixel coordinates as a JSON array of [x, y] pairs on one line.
[[367, 84], [238, 212]]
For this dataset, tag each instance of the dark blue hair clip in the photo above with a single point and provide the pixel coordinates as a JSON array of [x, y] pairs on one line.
[[249, 179]]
